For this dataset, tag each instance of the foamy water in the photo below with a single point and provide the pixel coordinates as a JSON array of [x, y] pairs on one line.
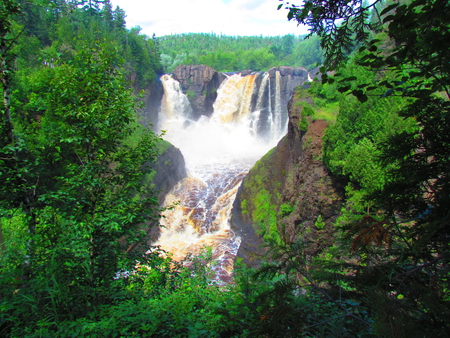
[[219, 151]]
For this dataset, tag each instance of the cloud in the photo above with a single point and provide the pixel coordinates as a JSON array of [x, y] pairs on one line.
[[233, 17]]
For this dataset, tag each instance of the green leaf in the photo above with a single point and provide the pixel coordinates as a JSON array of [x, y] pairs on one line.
[[360, 95], [343, 89], [350, 78], [389, 8], [388, 18]]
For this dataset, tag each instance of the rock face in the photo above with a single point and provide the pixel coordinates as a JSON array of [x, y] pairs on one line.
[[152, 102], [289, 194], [169, 169], [291, 78], [199, 83]]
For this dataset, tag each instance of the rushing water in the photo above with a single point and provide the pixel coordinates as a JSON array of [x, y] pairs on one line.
[[219, 151]]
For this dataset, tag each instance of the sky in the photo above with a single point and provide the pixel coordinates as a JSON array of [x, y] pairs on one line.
[[227, 17]]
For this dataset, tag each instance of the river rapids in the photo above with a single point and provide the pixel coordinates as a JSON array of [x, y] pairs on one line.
[[219, 151]]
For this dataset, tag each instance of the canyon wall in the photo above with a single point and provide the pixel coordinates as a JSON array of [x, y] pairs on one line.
[[200, 83], [169, 168], [289, 194]]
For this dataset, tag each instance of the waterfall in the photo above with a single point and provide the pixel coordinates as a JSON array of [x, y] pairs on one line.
[[277, 113], [219, 151], [262, 88], [247, 94], [174, 103], [234, 96]]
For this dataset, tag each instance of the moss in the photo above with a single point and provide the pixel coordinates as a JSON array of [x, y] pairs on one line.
[[162, 146], [265, 215], [303, 124], [262, 201], [244, 206], [286, 209]]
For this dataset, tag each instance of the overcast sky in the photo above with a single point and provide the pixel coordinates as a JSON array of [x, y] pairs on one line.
[[229, 17]]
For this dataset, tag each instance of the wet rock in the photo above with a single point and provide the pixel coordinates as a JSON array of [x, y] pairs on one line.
[[199, 83], [169, 169], [287, 191]]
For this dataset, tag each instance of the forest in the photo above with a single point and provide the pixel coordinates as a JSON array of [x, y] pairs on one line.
[[74, 214], [235, 53]]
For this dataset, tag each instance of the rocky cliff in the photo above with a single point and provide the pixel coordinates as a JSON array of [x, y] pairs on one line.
[[199, 83], [152, 96], [291, 78], [168, 169], [289, 194]]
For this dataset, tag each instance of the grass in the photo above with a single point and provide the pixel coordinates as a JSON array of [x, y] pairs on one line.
[[328, 112]]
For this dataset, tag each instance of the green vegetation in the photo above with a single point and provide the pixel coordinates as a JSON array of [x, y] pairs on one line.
[[303, 123], [236, 53], [286, 209], [73, 209], [390, 142], [263, 205], [74, 204], [190, 95]]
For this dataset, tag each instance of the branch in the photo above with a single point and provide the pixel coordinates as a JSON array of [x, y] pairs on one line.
[[417, 268], [347, 313], [325, 321], [13, 41]]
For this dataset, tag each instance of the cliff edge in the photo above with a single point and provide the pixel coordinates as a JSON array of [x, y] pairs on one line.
[[289, 194]]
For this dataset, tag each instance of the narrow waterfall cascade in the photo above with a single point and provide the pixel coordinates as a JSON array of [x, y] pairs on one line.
[[278, 118], [174, 105], [259, 101], [219, 151]]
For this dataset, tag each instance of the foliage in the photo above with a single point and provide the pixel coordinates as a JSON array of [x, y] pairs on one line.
[[307, 53], [339, 24], [392, 142], [296, 305], [70, 175], [236, 53], [286, 209], [314, 103], [351, 145], [76, 186], [303, 124], [73, 210]]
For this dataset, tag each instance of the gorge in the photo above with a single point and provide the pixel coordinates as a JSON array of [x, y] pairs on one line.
[[223, 124]]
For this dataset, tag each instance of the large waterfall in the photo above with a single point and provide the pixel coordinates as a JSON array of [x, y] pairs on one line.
[[219, 151]]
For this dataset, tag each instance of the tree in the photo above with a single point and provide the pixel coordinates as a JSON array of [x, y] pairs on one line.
[[77, 179], [339, 23], [8, 10], [119, 18], [406, 246], [307, 53]]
